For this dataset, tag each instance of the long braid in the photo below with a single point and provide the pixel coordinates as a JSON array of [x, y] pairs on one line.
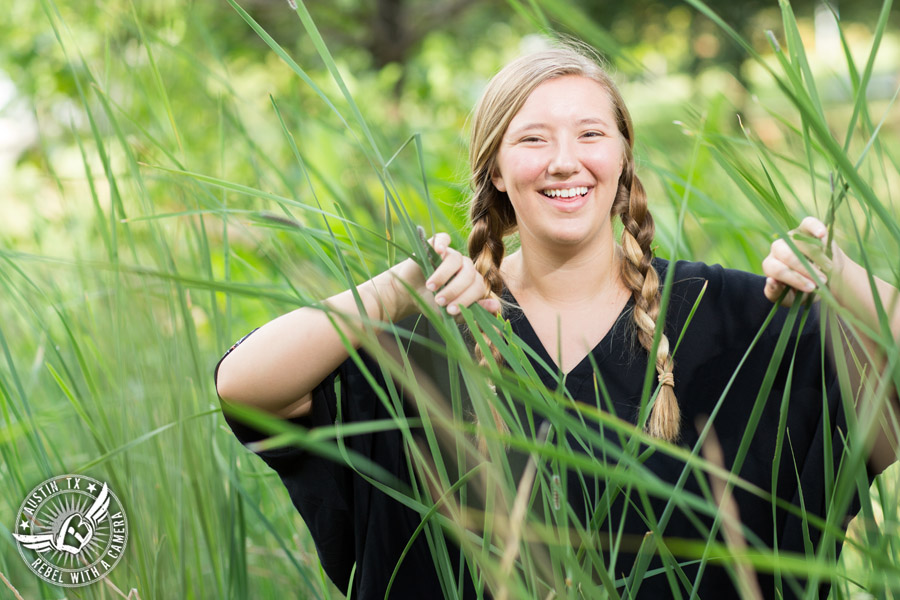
[[640, 277], [486, 249]]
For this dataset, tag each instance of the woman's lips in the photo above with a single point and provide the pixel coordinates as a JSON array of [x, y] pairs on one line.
[[568, 204]]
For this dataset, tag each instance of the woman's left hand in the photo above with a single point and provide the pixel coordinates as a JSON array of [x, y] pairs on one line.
[[784, 269]]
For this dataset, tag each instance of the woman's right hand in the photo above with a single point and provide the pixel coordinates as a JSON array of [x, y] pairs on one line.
[[454, 283]]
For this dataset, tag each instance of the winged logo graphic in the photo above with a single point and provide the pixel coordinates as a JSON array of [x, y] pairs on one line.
[[74, 533]]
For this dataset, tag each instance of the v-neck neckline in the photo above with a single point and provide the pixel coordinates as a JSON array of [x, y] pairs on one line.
[[600, 351]]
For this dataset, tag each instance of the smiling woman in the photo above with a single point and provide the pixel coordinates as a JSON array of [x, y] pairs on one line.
[[551, 157], [556, 121]]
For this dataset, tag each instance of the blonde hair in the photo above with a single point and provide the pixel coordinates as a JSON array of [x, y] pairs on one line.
[[492, 216]]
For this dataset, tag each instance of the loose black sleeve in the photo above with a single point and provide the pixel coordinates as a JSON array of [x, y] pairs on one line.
[[352, 521], [320, 489]]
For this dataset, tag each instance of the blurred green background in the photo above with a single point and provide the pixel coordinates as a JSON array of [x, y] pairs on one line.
[[144, 144]]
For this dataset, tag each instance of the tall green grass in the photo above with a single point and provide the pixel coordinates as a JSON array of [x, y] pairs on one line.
[[193, 210]]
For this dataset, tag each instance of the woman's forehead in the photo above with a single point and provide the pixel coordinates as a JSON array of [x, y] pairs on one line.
[[570, 100]]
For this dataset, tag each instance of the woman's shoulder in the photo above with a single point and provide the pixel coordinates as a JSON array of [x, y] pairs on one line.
[[715, 280], [715, 295], [718, 297]]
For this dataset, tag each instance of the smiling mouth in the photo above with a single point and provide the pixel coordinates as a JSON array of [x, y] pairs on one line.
[[566, 193]]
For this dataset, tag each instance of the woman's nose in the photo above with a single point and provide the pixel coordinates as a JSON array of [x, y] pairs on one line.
[[564, 160]]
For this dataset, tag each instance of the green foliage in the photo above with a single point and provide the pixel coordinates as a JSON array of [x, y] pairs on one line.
[[196, 173]]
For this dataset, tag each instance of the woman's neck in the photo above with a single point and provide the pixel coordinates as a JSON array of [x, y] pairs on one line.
[[565, 280]]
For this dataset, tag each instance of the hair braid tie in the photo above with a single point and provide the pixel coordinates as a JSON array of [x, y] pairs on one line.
[[667, 378]]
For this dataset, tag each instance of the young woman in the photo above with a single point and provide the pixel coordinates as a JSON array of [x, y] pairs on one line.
[[551, 158]]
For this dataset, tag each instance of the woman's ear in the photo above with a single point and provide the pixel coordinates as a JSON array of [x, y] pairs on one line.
[[497, 180], [623, 163]]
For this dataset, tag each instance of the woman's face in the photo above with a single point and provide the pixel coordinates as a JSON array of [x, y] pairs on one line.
[[559, 162]]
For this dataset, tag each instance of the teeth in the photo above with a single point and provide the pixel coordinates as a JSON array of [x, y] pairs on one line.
[[567, 193]]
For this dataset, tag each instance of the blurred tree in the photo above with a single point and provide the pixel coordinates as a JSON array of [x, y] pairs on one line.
[[645, 21], [388, 31]]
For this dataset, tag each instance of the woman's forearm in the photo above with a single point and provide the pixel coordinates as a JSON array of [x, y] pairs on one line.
[[849, 282], [277, 367]]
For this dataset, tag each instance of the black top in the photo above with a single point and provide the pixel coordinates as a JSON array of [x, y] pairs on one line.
[[353, 522]]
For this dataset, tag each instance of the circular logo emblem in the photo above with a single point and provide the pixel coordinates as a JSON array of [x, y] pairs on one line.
[[71, 530]]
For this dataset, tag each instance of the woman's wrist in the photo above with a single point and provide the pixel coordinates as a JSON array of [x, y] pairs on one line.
[[392, 297], [838, 262]]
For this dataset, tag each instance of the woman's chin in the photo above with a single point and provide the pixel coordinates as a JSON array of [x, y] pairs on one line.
[[571, 239], [567, 237]]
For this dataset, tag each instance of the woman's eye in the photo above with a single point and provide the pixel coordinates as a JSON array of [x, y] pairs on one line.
[[531, 138], [593, 134]]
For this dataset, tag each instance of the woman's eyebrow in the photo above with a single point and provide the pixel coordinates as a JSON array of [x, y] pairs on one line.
[[593, 121], [580, 123], [528, 127]]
